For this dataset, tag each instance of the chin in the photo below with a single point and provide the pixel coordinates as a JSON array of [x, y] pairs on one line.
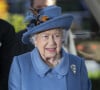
[[50, 55]]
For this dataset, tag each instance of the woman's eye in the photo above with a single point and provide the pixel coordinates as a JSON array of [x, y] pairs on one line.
[[58, 35], [45, 36]]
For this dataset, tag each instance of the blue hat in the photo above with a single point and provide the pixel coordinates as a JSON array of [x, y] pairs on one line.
[[47, 18]]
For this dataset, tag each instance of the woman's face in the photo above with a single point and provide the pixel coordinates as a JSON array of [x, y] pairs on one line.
[[49, 43]]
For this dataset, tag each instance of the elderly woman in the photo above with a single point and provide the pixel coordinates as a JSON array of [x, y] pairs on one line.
[[48, 66]]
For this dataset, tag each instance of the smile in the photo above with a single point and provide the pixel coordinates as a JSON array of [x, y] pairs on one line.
[[51, 49]]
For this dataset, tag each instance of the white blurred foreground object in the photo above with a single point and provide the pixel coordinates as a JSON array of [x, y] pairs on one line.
[[70, 43]]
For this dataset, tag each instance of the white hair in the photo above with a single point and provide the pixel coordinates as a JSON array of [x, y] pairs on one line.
[[32, 38]]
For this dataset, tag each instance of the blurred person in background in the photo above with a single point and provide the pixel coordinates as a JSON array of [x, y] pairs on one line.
[[48, 66], [38, 4], [7, 51]]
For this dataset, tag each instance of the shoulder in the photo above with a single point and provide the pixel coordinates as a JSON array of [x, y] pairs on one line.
[[22, 62], [5, 25], [75, 58], [25, 55], [4, 22], [78, 61], [23, 58]]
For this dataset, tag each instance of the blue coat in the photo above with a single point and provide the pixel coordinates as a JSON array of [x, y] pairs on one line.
[[29, 72]]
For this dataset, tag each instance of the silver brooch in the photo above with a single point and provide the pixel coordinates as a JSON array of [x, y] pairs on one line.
[[73, 68]]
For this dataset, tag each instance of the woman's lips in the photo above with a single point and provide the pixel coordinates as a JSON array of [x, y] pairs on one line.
[[51, 49]]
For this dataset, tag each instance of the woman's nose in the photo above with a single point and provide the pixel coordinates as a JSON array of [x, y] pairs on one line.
[[52, 40]]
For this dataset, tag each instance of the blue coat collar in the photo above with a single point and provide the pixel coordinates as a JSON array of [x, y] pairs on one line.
[[41, 68]]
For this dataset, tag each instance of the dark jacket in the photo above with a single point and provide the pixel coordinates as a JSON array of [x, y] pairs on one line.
[[7, 44]]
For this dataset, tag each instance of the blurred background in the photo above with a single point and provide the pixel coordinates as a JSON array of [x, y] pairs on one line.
[[83, 38]]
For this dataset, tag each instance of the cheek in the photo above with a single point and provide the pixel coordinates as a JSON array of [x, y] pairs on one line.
[[41, 46], [59, 45]]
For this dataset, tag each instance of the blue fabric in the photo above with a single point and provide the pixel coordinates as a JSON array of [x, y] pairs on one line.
[[29, 72]]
